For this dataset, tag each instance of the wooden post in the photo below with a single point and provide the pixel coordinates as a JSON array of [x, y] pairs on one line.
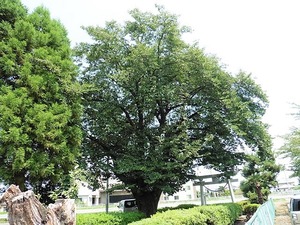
[[25, 209]]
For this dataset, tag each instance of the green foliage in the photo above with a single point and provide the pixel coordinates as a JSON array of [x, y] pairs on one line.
[[181, 206], [260, 173], [250, 209], [235, 211], [243, 204], [157, 105], [201, 215], [40, 111], [5, 221], [108, 219], [291, 147], [296, 187], [10, 12], [175, 217], [260, 170]]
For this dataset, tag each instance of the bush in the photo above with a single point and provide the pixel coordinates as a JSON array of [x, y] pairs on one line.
[[115, 218], [248, 208], [235, 210], [175, 217], [253, 197], [202, 215], [181, 206], [243, 204], [251, 209], [185, 206]]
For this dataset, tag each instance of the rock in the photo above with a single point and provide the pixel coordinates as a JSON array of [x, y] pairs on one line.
[[25, 209]]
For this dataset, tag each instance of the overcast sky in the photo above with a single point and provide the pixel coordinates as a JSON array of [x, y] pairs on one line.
[[259, 37]]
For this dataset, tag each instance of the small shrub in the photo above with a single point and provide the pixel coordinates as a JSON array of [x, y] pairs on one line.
[[115, 218], [235, 211], [250, 209], [243, 204], [175, 217], [253, 197]]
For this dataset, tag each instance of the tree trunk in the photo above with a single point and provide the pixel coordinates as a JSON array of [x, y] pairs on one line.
[[25, 209], [147, 201], [19, 180], [259, 193]]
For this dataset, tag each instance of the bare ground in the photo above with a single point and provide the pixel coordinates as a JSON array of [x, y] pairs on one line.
[[282, 213]]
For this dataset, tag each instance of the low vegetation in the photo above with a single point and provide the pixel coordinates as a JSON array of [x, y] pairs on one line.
[[115, 218], [248, 208], [181, 206], [225, 214], [3, 221]]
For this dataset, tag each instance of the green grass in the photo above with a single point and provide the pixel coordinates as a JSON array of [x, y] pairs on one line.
[[95, 206], [3, 221]]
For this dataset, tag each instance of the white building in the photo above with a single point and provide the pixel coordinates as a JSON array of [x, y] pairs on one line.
[[91, 197], [87, 195], [188, 192], [284, 178]]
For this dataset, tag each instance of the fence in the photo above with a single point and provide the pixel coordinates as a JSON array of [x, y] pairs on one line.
[[264, 215]]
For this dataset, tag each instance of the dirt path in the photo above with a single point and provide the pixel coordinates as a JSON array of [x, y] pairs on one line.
[[282, 214]]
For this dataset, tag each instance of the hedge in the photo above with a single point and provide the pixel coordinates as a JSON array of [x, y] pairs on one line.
[[202, 215], [114, 218], [181, 206]]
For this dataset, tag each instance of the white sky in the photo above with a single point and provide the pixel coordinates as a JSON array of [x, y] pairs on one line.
[[259, 37]]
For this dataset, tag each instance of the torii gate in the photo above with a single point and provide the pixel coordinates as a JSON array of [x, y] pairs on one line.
[[216, 179]]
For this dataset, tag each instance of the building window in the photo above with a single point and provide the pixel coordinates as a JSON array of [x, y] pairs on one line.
[[166, 197], [189, 197], [188, 188], [176, 197]]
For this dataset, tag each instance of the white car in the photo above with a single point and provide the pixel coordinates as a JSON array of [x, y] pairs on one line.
[[294, 209], [127, 205]]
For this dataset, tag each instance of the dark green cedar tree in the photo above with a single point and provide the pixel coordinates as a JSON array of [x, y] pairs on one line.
[[40, 111]]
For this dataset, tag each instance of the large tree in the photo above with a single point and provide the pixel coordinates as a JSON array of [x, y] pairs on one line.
[[40, 132], [291, 146], [157, 106], [260, 172]]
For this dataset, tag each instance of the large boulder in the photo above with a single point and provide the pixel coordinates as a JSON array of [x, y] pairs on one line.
[[25, 209]]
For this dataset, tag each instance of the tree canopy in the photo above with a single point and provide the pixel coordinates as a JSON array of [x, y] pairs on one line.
[[291, 146], [158, 106], [40, 130], [260, 172]]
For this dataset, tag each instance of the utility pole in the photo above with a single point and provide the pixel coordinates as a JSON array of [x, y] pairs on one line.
[[107, 195], [107, 186]]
